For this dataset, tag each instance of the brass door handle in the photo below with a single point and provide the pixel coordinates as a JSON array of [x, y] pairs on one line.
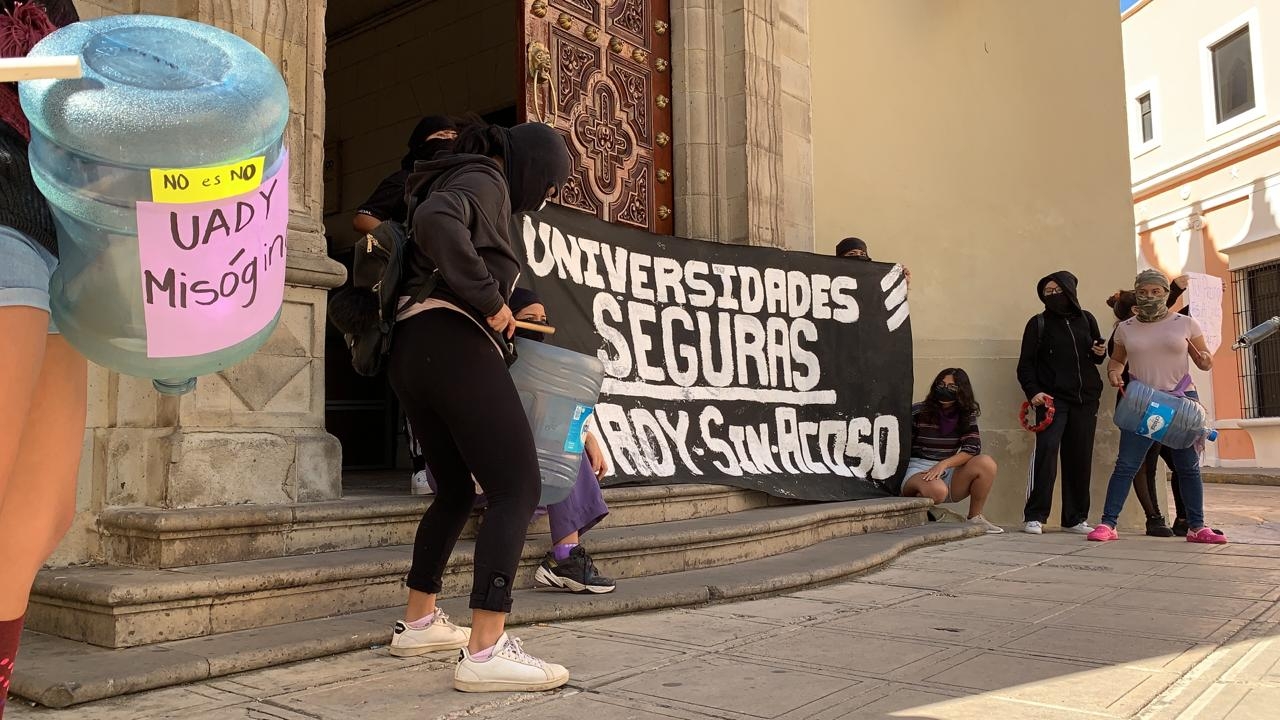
[[539, 61]]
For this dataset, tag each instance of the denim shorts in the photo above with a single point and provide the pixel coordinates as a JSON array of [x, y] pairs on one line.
[[25, 270], [920, 465]]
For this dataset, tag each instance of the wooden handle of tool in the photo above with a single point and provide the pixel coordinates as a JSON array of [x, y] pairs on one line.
[[40, 68], [544, 329]]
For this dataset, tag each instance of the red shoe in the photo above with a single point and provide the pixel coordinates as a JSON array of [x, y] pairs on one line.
[[1104, 533], [1207, 536]]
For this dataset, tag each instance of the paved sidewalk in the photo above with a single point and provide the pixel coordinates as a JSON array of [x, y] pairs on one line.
[[1014, 626]]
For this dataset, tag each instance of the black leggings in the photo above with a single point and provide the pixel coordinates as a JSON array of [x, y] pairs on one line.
[[466, 415], [1144, 483]]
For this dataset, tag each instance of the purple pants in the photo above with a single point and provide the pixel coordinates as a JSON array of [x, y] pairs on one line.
[[581, 511]]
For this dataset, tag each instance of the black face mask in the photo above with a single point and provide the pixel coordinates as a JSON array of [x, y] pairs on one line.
[[946, 394], [1060, 304]]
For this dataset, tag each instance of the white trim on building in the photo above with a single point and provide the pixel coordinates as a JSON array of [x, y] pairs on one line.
[[1208, 87]]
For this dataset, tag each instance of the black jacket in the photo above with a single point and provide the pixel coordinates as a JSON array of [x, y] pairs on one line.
[[1057, 356], [464, 228]]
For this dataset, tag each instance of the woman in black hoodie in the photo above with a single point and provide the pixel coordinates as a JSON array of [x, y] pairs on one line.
[[448, 366], [1061, 349]]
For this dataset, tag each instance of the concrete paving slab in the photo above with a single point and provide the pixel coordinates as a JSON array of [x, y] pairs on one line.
[[1140, 622], [916, 704], [1070, 574], [869, 655], [595, 660], [996, 608], [1218, 588], [1204, 605], [899, 623], [580, 706], [1217, 573], [920, 579], [1103, 646], [678, 628], [861, 594], [717, 685], [1054, 591], [780, 609]]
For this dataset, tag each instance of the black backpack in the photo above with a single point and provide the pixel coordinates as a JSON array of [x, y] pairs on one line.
[[365, 310]]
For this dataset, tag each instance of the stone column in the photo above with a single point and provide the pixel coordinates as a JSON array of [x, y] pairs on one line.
[[743, 142], [253, 433]]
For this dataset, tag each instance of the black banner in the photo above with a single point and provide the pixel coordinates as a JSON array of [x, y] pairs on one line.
[[779, 371]]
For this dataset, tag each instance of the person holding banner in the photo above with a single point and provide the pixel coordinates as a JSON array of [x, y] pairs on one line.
[[947, 464], [448, 366], [1058, 370], [42, 379]]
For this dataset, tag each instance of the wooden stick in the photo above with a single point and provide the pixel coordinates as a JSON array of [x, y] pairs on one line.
[[40, 68], [544, 329]]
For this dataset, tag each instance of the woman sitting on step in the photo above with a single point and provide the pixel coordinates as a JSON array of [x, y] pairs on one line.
[[947, 464]]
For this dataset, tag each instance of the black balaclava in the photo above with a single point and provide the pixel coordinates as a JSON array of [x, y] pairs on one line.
[[1065, 304], [535, 159], [521, 299], [420, 148], [850, 244]]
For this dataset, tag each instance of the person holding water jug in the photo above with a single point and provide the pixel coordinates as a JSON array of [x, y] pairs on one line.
[[448, 366], [43, 380], [1157, 345]]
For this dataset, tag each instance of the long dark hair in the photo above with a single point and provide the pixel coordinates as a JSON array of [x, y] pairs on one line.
[[966, 403], [1122, 304]]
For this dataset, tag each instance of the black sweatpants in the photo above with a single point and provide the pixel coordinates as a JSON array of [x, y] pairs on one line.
[[465, 412], [1071, 437]]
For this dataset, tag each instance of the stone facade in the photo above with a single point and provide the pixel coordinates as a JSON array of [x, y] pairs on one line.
[[744, 151], [253, 433]]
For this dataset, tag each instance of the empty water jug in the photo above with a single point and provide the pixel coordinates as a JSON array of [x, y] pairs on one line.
[[559, 389], [1172, 421], [168, 179]]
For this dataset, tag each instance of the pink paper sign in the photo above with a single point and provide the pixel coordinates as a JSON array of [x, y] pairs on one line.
[[213, 272]]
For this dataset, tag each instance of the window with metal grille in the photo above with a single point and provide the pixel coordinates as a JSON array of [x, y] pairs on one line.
[[1257, 291]]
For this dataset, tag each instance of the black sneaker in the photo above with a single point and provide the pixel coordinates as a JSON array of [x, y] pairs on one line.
[[576, 574], [1181, 527], [1156, 527]]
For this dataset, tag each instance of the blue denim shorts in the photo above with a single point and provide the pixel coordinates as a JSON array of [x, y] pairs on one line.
[[25, 270]]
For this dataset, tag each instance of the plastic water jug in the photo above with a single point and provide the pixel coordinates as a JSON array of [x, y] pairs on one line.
[[1172, 421], [559, 389], [166, 173]]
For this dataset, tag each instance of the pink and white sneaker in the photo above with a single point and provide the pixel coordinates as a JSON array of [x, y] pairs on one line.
[[1104, 533], [1207, 536]]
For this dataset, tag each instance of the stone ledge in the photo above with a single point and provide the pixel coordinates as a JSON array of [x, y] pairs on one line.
[[60, 673], [170, 538], [1241, 476], [118, 607]]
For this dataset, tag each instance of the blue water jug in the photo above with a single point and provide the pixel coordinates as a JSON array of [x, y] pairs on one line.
[[1172, 421], [168, 179], [559, 389]]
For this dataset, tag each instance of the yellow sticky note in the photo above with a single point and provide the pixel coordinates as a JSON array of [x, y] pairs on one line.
[[205, 184]]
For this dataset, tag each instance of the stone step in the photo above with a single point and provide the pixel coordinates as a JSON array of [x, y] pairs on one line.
[[56, 672], [1241, 476], [172, 538], [124, 607]]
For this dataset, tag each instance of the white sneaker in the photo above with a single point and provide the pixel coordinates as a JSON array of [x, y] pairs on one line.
[[1081, 529], [1033, 527], [419, 485], [988, 526], [439, 635], [508, 669]]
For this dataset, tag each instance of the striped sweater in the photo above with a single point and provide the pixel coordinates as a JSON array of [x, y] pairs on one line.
[[938, 438]]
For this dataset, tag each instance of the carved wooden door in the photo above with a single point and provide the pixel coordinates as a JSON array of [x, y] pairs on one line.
[[600, 72]]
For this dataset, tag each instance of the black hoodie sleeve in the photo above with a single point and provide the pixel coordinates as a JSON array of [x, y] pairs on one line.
[[1027, 360], [445, 228], [1094, 337]]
